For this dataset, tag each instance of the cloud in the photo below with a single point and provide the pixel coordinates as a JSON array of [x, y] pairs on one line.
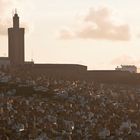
[[98, 24], [4, 24], [138, 35], [4, 4], [66, 33], [126, 60], [5, 7]]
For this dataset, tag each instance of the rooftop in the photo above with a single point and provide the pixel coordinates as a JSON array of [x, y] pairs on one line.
[[4, 58]]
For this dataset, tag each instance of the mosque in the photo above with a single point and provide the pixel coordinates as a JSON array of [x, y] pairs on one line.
[[15, 45], [16, 57], [16, 60]]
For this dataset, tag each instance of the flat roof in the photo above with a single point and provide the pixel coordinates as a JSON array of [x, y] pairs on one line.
[[4, 58], [114, 71], [59, 66]]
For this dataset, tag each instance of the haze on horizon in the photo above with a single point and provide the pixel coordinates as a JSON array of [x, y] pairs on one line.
[[100, 34]]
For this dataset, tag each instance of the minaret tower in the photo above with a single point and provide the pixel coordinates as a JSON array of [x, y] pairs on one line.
[[16, 42], [16, 20]]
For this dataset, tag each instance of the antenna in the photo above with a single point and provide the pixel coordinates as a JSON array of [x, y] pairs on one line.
[[15, 10]]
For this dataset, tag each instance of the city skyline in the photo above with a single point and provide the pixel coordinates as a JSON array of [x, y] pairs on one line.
[[65, 31]]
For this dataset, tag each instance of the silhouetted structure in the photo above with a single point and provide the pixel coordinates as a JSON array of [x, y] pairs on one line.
[[130, 68], [16, 63], [58, 71], [16, 42]]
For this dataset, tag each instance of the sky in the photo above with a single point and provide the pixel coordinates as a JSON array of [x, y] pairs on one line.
[[101, 34]]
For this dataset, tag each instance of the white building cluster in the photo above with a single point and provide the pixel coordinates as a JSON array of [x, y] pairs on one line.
[[129, 68]]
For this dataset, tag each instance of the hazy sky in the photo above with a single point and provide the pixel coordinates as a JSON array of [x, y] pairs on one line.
[[98, 33]]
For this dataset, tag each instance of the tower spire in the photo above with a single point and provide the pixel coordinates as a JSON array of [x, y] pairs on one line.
[[16, 20], [15, 10], [16, 42]]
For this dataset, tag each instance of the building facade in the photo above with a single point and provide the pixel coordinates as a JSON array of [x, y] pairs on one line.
[[16, 43], [129, 68], [4, 63]]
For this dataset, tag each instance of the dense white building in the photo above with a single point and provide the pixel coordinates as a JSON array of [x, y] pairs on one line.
[[129, 68]]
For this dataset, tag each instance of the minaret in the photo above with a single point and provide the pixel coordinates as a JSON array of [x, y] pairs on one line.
[[16, 42], [16, 20]]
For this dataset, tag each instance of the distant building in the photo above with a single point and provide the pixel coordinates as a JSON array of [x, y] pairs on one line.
[[129, 68], [16, 42], [15, 46], [15, 63]]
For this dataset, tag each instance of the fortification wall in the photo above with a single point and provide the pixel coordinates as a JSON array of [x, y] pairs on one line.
[[79, 72], [114, 77]]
